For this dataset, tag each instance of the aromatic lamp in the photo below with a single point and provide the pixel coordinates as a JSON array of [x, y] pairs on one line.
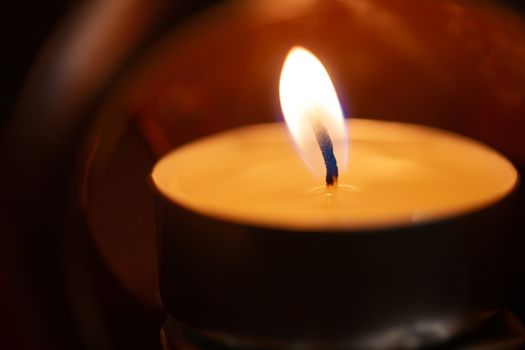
[[328, 232]]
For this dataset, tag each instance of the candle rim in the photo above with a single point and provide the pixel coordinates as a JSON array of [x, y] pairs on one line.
[[183, 200], [380, 226]]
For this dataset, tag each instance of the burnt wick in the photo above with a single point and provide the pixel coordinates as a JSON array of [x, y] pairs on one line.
[[327, 150]]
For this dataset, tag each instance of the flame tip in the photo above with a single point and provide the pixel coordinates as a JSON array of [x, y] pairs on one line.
[[298, 48]]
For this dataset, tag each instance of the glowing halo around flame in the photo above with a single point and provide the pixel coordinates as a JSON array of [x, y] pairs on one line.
[[307, 93]]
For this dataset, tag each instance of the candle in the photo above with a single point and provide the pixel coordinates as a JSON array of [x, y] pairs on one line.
[[397, 174], [340, 244]]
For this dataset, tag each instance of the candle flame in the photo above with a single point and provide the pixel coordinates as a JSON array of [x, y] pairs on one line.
[[308, 98]]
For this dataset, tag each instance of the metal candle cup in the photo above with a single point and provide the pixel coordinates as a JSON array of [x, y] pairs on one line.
[[253, 253], [282, 280]]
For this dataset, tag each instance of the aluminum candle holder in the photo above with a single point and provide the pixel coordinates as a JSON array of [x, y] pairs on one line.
[[242, 267], [252, 287]]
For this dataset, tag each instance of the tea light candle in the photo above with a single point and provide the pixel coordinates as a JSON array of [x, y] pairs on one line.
[[375, 227], [398, 174]]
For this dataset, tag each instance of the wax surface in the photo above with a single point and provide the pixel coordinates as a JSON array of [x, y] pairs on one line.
[[397, 175]]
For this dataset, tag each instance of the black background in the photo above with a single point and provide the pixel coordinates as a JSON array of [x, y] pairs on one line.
[[27, 25]]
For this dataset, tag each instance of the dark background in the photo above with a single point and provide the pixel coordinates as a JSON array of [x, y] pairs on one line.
[[27, 25], [26, 28]]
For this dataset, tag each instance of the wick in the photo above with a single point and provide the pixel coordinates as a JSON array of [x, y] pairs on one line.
[[327, 150]]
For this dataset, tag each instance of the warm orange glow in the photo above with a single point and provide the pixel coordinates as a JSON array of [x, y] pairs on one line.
[[307, 94]]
